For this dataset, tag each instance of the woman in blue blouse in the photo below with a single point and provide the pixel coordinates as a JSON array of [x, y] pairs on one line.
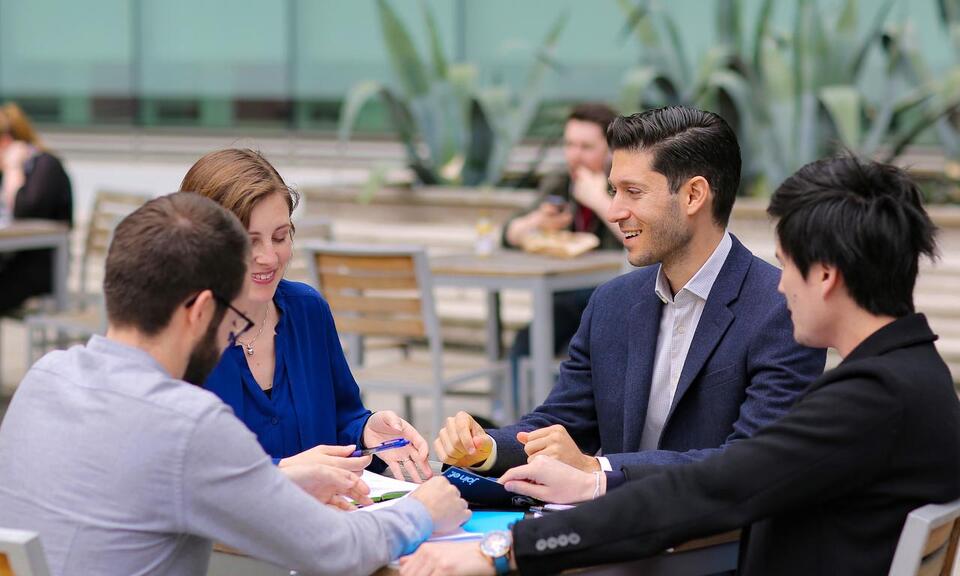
[[288, 379]]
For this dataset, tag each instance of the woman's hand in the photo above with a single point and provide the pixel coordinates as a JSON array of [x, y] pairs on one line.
[[329, 484], [412, 458], [335, 456]]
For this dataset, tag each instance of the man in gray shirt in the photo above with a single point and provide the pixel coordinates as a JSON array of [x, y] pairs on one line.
[[122, 467]]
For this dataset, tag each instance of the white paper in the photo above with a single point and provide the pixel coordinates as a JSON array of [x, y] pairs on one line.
[[380, 484]]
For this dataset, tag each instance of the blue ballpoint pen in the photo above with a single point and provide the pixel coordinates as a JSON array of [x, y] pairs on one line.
[[388, 445]]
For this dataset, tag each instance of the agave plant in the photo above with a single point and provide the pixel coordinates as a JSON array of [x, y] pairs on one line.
[[722, 79], [453, 131], [946, 125], [798, 95]]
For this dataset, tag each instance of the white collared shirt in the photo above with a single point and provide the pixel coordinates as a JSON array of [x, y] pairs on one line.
[[678, 323]]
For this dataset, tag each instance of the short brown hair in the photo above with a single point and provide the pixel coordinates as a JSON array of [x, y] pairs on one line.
[[596, 112], [237, 179], [167, 250]]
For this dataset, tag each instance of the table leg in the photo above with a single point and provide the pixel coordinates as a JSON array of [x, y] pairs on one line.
[[541, 343], [61, 264], [504, 408]]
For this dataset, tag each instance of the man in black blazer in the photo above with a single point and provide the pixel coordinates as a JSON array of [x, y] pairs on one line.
[[826, 489]]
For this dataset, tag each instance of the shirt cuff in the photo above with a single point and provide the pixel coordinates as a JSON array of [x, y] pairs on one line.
[[490, 461], [604, 464], [276, 461]]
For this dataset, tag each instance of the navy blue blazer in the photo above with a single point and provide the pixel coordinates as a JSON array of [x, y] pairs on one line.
[[315, 399], [743, 370]]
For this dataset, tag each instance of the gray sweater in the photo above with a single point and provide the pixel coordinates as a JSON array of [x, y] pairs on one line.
[[123, 469]]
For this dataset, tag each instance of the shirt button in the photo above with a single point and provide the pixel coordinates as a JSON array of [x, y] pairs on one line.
[[274, 420]]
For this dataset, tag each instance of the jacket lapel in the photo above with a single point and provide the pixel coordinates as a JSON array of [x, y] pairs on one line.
[[643, 328], [715, 319]]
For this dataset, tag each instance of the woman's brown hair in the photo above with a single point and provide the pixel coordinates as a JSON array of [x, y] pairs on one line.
[[14, 122], [237, 179]]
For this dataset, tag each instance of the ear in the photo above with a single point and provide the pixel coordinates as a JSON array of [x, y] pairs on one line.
[[829, 278], [696, 195], [199, 315]]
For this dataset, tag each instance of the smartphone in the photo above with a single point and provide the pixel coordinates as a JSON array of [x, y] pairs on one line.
[[559, 201]]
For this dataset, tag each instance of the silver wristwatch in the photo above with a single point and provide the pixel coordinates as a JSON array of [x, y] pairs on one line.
[[496, 546]]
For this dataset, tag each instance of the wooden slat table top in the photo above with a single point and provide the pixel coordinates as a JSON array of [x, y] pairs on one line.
[[522, 264], [25, 228]]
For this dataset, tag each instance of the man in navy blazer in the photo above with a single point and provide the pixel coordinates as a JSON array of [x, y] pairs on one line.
[[676, 360]]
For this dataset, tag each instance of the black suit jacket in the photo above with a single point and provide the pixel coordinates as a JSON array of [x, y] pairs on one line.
[[825, 490]]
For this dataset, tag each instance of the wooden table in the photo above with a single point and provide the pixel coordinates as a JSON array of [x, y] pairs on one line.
[[694, 558], [543, 276], [37, 234]]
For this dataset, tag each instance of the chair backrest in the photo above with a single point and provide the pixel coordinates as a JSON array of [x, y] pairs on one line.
[[109, 208], [309, 229], [376, 290], [21, 554], [928, 542]]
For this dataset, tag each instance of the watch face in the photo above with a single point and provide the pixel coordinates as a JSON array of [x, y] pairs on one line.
[[496, 544]]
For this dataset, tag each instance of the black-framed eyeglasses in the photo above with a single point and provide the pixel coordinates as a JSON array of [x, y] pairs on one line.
[[233, 335]]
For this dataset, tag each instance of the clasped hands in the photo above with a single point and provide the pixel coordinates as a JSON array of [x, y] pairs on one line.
[[556, 470]]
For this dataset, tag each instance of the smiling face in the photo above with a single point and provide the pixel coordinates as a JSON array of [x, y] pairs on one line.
[[647, 212], [272, 246]]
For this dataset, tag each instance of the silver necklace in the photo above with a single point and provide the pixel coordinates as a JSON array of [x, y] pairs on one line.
[[249, 345]]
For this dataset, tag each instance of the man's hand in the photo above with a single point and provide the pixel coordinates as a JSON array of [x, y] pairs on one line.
[[552, 481], [412, 458], [447, 558], [552, 218], [442, 499], [462, 442], [329, 484], [555, 441], [590, 190], [336, 456]]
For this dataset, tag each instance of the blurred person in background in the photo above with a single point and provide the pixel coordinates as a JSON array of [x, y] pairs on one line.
[[34, 185], [288, 379], [574, 199]]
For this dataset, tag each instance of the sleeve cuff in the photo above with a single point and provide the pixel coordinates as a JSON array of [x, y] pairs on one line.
[[276, 461], [604, 464], [615, 480], [490, 461]]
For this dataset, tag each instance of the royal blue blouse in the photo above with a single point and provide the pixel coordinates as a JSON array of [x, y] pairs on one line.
[[315, 399]]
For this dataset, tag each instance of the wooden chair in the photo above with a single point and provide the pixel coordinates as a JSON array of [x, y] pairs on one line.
[[383, 291], [928, 542], [309, 229], [21, 554], [85, 315]]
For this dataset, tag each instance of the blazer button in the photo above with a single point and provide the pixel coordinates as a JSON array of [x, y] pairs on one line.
[[275, 421], [574, 538], [563, 540], [541, 545], [552, 542]]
